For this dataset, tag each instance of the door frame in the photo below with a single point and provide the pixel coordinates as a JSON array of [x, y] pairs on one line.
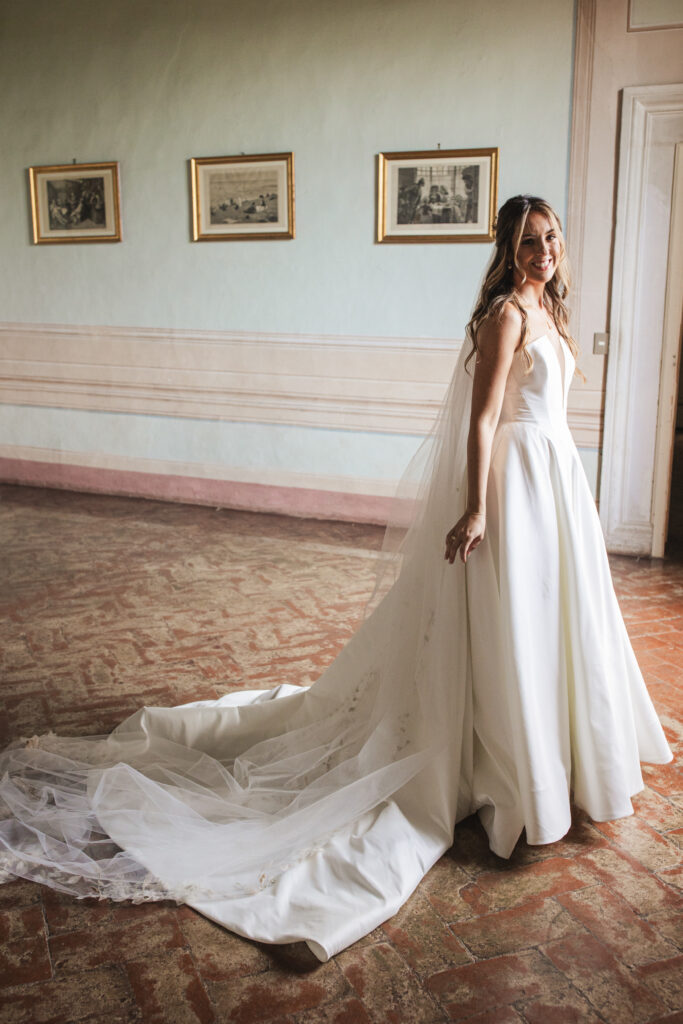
[[671, 361], [629, 529]]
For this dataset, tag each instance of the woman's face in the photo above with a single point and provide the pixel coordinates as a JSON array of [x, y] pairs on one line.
[[539, 250]]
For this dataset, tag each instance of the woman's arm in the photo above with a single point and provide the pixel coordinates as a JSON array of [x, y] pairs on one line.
[[497, 341]]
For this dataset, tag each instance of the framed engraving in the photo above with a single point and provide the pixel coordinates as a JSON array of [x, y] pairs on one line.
[[437, 195], [75, 203], [239, 198]]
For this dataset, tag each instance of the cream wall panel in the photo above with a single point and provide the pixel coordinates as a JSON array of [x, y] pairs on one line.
[[382, 384], [392, 385]]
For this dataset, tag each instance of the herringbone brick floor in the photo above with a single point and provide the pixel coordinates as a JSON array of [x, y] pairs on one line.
[[111, 603]]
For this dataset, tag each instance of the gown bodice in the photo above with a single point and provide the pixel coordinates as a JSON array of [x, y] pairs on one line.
[[539, 395]]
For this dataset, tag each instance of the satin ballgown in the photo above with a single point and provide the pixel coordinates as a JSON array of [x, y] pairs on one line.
[[507, 687]]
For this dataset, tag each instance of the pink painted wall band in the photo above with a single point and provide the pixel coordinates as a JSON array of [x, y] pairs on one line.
[[291, 501]]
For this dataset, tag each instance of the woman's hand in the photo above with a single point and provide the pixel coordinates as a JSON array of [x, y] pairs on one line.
[[465, 536]]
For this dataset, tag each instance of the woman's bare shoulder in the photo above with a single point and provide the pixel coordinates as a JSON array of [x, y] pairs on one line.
[[502, 330]]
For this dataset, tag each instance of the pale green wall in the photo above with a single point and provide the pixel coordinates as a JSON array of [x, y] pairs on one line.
[[255, 446], [296, 449], [153, 83]]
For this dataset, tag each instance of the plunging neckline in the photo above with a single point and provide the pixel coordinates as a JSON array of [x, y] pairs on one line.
[[561, 361]]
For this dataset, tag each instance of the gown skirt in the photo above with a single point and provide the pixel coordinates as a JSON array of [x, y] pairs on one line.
[[506, 687]]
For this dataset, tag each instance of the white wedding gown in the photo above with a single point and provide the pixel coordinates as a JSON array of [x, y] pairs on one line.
[[311, 814]]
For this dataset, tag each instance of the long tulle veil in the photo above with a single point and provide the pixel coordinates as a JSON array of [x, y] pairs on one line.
[[430, 491], [215, 801]]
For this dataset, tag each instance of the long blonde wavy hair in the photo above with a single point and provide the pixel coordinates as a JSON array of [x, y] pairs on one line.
[[498, 287]]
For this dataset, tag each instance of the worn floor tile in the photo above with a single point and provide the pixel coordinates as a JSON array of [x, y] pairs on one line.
[[670, 925], [625, 875], [274, 993], [665, 978], [662, 813], [346, 1011], [597, 974], [611, 920], [72, 951], [500, 981], [220, 954], [387, 987], [169, 990], [423, 939], [445, 886], [103, 994], [24, 961], [665, 779], [672, 877], [510, 887], [19, 893], [501, 1015], [565, 1007], [510, 931], [111, 603], [20, 923], [641, 841]]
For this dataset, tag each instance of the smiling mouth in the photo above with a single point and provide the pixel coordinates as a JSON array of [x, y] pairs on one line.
[[542, 264]]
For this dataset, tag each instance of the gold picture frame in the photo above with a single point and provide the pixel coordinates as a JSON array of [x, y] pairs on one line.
[[75, 203], [438, 195], [243, 198]]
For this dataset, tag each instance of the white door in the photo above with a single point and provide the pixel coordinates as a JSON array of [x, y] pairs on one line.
[[669, 399], [634, 438]]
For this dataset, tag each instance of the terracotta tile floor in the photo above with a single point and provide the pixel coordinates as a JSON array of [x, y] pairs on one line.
[[110, 603]]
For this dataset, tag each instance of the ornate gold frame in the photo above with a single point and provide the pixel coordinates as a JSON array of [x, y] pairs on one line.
[[199, 231], [43, 234], [383, 162]]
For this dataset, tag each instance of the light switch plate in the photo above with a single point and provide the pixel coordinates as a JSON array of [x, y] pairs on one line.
[[600, 344]]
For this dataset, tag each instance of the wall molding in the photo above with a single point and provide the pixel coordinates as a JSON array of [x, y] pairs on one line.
[[388, 385], [634, 25], [369, 384], [392, 385]]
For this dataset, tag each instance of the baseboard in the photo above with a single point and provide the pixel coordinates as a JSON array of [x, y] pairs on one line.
[[303, 502]]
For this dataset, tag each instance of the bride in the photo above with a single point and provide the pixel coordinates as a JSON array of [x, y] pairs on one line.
[[500, 682]]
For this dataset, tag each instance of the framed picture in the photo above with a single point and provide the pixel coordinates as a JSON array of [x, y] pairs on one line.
[[235, 198], [75, 203], [442, 195]]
